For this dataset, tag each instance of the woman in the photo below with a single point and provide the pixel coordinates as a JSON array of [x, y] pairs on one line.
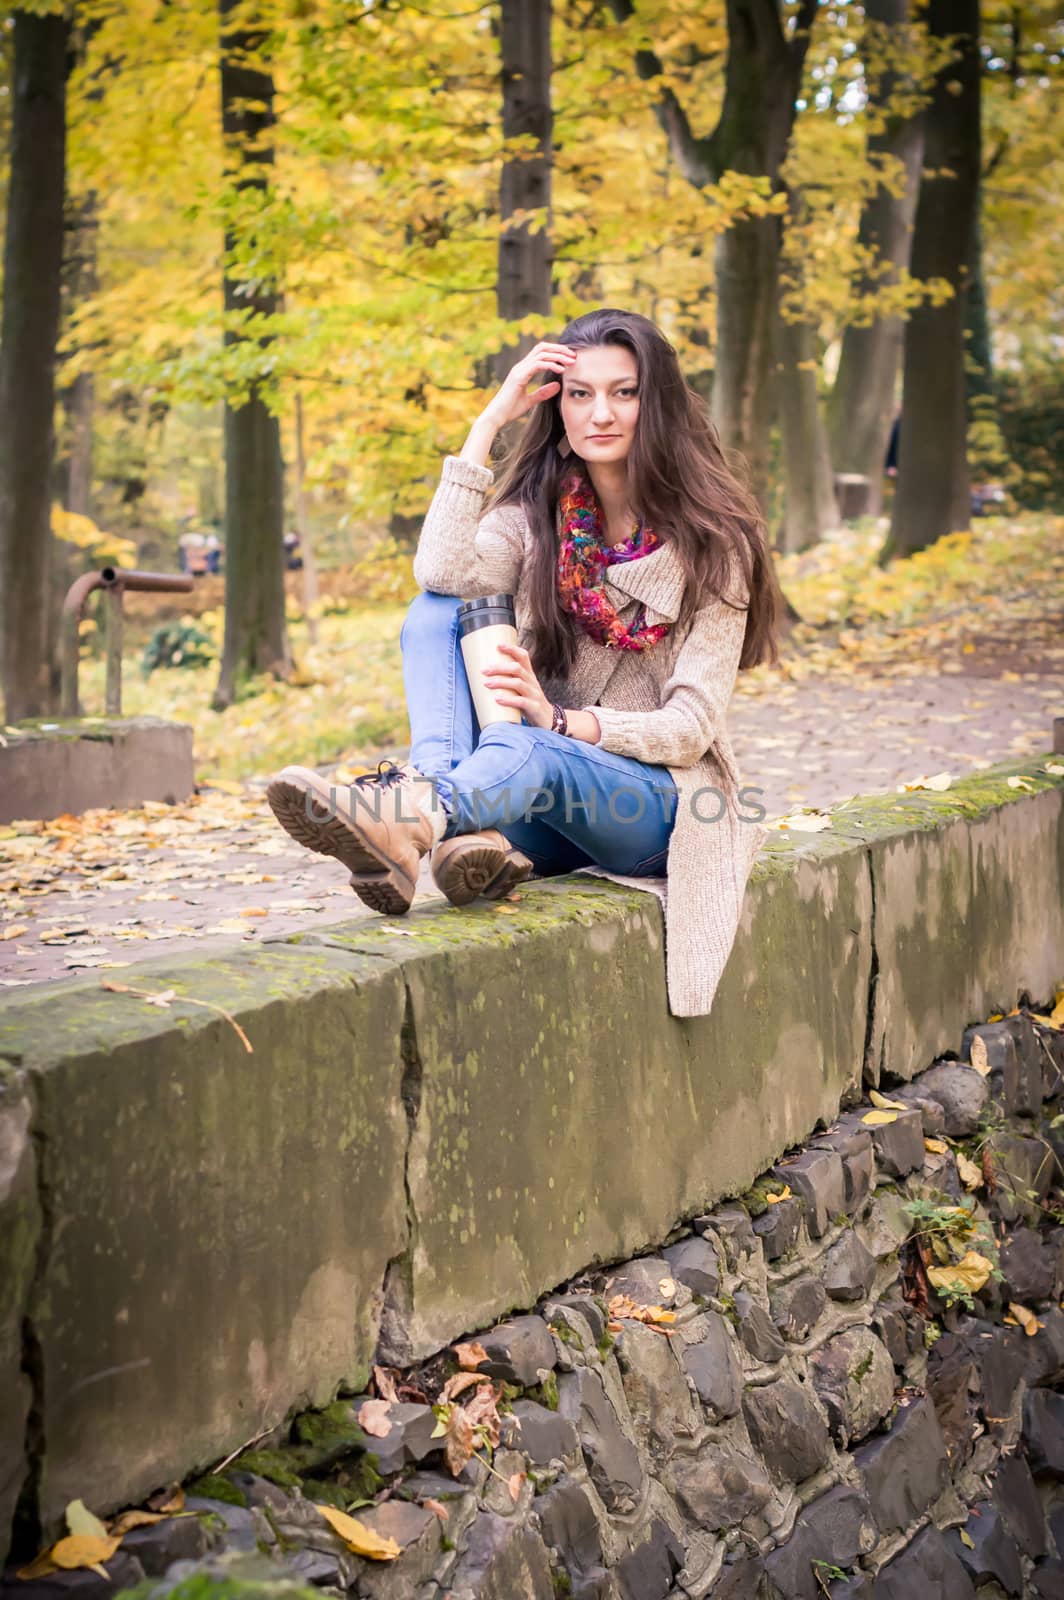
[[642, 583]]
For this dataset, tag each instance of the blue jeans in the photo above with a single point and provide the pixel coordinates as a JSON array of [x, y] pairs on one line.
[[564, 802]]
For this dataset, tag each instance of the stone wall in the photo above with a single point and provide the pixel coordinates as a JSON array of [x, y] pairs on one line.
[[442, 1119], [779, 1405]]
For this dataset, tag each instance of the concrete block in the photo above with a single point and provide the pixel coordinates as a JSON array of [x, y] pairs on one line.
[[52, 766], [219, 1222]]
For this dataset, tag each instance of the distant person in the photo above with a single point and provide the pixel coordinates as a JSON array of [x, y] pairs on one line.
[[293, 558], [641, 580], [213, 550], [890, 465]]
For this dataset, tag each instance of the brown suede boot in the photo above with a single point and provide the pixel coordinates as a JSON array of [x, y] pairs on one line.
[[471, 864], [379, 826]]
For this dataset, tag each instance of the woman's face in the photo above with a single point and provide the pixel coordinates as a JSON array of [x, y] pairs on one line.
[[600, 402]]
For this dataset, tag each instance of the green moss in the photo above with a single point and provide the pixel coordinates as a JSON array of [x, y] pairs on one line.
[[756, 1197], [277, 1466], [330, 1494], [565, 1333], [605, 1344], [561, 1584], [861, 1370], [324, 1437], [364, 1479], [215, 1486], [546, 1393]]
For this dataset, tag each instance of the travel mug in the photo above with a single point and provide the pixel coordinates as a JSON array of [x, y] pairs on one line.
[[482, 626]]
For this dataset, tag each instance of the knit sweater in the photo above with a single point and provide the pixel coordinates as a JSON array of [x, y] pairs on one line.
[[666, 706]]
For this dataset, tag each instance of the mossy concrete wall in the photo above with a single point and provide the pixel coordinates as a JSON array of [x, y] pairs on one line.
[[49, 768], [445, 1115]]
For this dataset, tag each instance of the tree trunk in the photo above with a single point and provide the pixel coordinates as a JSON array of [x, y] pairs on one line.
[[29, 328], [256, 638], [525, 256], [810, 506], [306, 540], [861, 408], [933, 495], [761, 81]]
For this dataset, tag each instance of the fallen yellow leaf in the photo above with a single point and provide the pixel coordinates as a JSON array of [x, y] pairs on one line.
[[966, 1276], [970, 1175], [357, 1537], [884, 1104], [937, 1147], [81, 1520], [14, 930], [784, 1194], [84, 1550], [879, 1119], [1026, 1319], [980, 1061]]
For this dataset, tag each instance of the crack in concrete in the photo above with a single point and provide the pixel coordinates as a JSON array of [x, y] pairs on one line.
[[869, 1070], [393, 1347], [26, 1530]]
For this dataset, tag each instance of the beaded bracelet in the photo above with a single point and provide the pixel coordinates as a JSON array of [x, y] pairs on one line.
[[559, 722]]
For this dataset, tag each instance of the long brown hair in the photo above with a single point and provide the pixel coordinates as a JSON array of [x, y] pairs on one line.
[[680, 484]]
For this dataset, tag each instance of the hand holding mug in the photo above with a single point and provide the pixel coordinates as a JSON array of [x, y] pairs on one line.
[[513, 683]]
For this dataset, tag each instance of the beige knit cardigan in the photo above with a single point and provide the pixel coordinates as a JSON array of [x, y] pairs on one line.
[[665, 706]]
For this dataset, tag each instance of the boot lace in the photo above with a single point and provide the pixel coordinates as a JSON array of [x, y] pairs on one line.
[[387, 774]]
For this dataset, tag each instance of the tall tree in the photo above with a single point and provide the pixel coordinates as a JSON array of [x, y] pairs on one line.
[[33, 263], [933, 495], [762, 76], [525, 255], [256, 638], [861, 408]]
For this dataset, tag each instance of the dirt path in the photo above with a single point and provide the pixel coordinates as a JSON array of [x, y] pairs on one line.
[[108, 889]]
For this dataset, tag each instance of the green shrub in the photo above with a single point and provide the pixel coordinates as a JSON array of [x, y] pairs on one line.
[[177, 644]]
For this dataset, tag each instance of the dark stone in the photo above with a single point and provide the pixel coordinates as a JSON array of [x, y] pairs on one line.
[[570, 1526], [856, 1588], [713, 1366], [787, 1428], [742, 1580], [640, 1280], [816, 1178], [586, 1306], [992, 1553], [694, 1262], [611, 1457], [158, 1545], [598, 1585], [646, 1573], [1044, 1354], [258, 1491], [960, 1091], [853, 1144], [543, 1436], [927, 1567], [1020, 1166], [899, 1144], [756, 1330], [1000, 1363], [1043, 1431], [1047, 1580], [317, 1567], [123, 1571], [241, 1525], [953, 1384], [733, 1228], [906, 1469], [719, 1486], [520, 1351], [900, 1329], [854, 1377], [1015, 1070], [1052, 1045], [932, 1116], [501, 1559], [1029, 1268], [834, 1530], [796, 1307], [777, 1227], [1015, 1496], [432, 1486], [849, 1268], [409, 1438]]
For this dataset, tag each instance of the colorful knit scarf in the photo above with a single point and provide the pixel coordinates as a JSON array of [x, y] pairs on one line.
[[583, 558]]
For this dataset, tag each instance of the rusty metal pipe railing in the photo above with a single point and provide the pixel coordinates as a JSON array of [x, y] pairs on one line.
[[114, 581]]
